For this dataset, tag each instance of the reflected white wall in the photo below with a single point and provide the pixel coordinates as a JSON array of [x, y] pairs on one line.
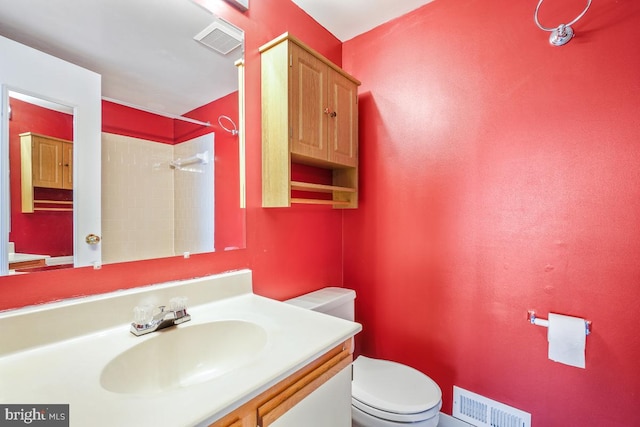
[[194, 196]]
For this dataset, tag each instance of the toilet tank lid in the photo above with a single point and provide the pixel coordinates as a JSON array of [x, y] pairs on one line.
[[325, 298]]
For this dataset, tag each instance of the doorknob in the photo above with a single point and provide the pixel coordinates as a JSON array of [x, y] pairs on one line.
[[92, 239]]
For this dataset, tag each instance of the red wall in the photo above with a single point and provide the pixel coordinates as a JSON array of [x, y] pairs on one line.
[[290, 251], [41, 232], [121, 120], [501, 174]]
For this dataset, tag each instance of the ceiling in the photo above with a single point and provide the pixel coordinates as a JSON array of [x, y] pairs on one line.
[[146, 53], [346, 19]]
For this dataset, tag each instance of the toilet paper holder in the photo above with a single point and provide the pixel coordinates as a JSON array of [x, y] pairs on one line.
[[531, 317]]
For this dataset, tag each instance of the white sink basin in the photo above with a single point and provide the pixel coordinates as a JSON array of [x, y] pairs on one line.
[[182, 356]]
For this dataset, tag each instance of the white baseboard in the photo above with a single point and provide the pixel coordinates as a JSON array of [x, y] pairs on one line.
[[449, 421]]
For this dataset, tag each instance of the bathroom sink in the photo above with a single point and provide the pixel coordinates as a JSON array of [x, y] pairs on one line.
[[182, 356]]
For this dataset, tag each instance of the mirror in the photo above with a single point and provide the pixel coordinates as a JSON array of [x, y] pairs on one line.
[[170, 119]]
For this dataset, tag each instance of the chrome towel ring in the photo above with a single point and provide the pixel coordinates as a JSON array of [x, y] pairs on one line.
[[563, 32]]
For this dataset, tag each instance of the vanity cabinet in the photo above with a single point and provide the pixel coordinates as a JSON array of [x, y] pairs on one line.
[[46, 162], [305, 395], [309, 116], [329, 405]]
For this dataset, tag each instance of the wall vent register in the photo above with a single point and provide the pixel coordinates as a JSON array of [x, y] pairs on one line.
[[480, 411]]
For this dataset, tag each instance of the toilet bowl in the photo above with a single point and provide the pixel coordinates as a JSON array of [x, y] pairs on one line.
[[384, 393]]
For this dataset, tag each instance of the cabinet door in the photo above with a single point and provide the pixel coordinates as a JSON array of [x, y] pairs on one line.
[[342, 129], [307, 397], [67, 165], [307, 104], [329, 405], [47, 161]]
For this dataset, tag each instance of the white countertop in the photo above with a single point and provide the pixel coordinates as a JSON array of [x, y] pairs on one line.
[[67, 368]]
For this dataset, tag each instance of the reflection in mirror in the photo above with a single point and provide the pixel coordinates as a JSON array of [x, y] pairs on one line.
[[163, 96], [169, 193], [41, 185], [158, 199]]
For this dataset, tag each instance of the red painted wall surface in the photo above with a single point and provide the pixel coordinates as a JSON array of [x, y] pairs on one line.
[[41, 232], [122, 120], [501, 174], [291, 251]]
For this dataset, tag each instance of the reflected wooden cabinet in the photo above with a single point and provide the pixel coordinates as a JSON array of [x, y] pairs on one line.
[[309, 116], [50, 158], [46, 162]]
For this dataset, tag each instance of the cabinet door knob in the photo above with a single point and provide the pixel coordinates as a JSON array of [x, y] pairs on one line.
[[328, 111]]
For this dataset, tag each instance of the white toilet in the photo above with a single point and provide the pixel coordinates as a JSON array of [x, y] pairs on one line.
[[384, 393]]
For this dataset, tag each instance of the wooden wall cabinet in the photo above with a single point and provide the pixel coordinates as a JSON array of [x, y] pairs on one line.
[[46, 162], [309, 116], [270, 406]]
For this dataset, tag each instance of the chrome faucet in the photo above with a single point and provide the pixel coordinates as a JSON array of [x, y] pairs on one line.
[[146, 321]]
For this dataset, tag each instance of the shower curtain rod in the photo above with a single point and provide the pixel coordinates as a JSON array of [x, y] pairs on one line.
[[160, 113]]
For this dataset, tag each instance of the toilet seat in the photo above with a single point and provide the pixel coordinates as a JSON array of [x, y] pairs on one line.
[[395, 417], [394, 392]]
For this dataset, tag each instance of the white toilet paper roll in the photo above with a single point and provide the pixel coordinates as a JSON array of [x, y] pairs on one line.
[[567, 340]]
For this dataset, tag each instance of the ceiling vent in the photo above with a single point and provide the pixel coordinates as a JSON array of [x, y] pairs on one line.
[[221, 36]]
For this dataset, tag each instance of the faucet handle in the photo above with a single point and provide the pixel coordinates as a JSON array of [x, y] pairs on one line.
[[179, 308], [178, 303], [142, 314]]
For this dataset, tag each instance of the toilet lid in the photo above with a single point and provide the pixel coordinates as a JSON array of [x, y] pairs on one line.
[[393, 387]]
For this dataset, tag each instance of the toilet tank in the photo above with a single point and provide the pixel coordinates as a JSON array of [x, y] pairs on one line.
[[338, 302]]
